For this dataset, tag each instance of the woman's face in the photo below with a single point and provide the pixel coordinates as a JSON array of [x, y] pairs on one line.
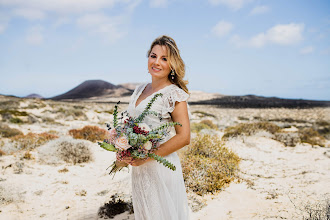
[[157, 62]]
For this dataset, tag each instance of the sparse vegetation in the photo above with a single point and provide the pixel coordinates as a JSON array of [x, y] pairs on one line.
[[287, 138], [13, 112], [30, 140], [311, 136], [204, 114], [27, 155], [6, 131], [204, 124], [317, 211], [208, 165], [249, 129], [74, 152], [90, 133], [16, 120]]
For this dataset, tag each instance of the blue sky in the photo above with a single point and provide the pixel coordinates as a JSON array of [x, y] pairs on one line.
[[234, 47]]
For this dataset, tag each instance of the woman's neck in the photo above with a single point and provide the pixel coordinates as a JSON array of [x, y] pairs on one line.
[[158, 84]]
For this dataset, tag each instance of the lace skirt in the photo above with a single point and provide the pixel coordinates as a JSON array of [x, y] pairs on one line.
[[158, 192]]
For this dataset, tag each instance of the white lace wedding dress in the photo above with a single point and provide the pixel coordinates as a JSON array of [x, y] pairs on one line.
[[159, 193]]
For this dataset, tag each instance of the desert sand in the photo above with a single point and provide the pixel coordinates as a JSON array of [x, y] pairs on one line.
[[277, 181]]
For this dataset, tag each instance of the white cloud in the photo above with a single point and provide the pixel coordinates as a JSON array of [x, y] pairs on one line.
[[232, 4], [60, 6], [34, 35], [158, 3], [67, 11], [281, 34], [286, 34], [222, 28], [307, 50], [105, 26], [29, 13], [260, 9]]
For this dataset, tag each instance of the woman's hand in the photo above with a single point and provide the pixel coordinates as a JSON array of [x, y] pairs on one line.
[[138, 162], [134, 162]]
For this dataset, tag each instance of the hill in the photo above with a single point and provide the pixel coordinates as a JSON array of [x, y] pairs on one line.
[[94, 88]]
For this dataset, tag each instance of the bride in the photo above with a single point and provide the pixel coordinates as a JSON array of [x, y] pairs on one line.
[[159, 193]]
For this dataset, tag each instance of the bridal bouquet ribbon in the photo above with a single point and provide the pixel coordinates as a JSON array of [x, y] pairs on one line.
[[130, 137]]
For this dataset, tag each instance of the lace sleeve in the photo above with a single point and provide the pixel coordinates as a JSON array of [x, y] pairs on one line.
[[169, 99]]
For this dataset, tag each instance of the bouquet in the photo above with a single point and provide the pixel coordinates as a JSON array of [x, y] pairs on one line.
[[130, 137]]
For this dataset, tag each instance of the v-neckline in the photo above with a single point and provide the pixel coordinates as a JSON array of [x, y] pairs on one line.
[[139, 94]]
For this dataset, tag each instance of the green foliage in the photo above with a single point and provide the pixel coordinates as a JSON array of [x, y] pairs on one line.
[[249, 129], [16, 120], [115, 113], [147, 108], [165, 125], [162, 160], [106, 146], [208, 165]]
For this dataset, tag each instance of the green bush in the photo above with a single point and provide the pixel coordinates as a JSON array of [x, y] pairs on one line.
[[16, 120], [249, 129], [208, 165]]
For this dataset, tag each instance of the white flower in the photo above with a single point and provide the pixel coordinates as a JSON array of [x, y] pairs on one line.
[[147, 145], [144, 126]]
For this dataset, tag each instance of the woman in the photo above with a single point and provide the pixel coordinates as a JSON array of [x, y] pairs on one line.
[[158, 192]]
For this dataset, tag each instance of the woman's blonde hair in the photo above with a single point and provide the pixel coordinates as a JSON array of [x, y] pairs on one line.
[[174, 60]]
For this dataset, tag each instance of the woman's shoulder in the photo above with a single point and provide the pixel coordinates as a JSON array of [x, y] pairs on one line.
[[175, 90]]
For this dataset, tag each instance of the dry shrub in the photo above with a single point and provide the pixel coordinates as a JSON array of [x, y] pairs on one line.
[[115, 206], [28, 156], [70, 112], [6, 131], [2, 153], [74, 152], [249, 129], [91, 133], [311, 136], [204, 124], [207, 165], [317, 211], [31, 140], [323, 127], [287, 138]]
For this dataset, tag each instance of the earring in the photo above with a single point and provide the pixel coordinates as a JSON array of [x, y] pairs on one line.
[[172, 74]]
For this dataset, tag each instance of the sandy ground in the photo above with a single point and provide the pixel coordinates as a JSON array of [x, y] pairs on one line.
[[278, 181]]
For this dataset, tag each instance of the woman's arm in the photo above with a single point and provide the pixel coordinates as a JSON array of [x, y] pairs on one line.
[[181, 139]]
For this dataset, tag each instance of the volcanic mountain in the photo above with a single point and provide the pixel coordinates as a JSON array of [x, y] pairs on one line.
[[94, 88]]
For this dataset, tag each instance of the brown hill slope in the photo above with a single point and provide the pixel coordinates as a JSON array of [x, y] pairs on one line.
[[94, 88]]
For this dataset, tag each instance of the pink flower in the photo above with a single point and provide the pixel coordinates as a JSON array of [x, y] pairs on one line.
[[112, 135], [122, 143]]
